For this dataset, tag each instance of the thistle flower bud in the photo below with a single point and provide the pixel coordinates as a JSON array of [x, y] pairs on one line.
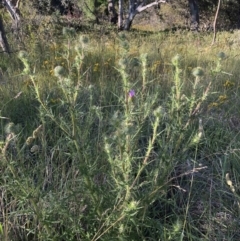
[[123, 62], [144, 56], [35, 149], [159, 112], [84, 40], [9, 128], [91, 87], [131, 96], [221, 55], [176, 60], [197, 72], [59, 71], [22, 54]]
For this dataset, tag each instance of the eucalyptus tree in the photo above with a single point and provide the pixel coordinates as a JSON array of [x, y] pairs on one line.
[[135, 7], [12, 8], [124, 11]]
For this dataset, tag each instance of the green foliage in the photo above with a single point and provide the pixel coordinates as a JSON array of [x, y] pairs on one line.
[[90, 8], [123, 142], [43, 6]]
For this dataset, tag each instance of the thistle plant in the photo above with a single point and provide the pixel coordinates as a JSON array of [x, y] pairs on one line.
[[30, 71], [197, 73], [124, 63], [178, 84], [181, 104], [128, 168], [70, 89], [220, 57], [124, 75], [109, 161]]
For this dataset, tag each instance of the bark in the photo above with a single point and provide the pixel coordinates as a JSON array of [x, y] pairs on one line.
[[131, 14], [128, 24], [3, 40], [14, 12], [238, 22], [120, 14], [194, 12], [137, 6], [113, 17]]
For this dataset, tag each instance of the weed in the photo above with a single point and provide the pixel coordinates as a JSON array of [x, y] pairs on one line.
[[122, 145]]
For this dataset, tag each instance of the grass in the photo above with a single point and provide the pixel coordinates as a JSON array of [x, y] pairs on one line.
[[121, 137]]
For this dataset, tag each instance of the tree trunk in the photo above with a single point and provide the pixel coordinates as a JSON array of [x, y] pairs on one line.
[[128, 25], [128, 22], [238, 22], [194, 12], [15, 15], [3, 40], [13, 10], [135, 7], [113, 17], [120, 15]]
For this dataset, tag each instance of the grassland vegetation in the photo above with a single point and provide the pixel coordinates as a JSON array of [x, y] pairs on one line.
[[120, 137]]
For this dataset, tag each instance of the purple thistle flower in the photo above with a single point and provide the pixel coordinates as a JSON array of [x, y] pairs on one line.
[[131, 93]]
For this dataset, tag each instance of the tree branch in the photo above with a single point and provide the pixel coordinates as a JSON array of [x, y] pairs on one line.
[[15, 15], [141, 7], [13, 10], [215, 22]]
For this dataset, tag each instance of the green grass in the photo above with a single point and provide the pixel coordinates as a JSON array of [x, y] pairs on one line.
[[81, 159]]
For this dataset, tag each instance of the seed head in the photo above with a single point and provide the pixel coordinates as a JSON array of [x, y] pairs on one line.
[[35, 149], [37, 132], [197, 72], [29, 140]]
